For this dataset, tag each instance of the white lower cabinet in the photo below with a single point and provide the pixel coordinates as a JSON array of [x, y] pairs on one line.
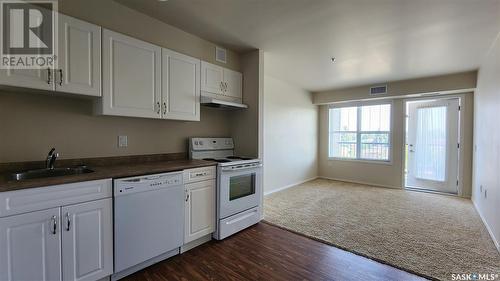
[[199, 210], [87, 240], [31, 246], [65, 241]]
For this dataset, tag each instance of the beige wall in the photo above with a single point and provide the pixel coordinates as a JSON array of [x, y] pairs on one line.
[[245, 123], [112, 15], [487, 142], [389, 175], [443, 83], [33, 123], [364, 172], [290, 135]]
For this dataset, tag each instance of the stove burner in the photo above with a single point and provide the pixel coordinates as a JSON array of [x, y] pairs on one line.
[[217, 160], [238, 157]]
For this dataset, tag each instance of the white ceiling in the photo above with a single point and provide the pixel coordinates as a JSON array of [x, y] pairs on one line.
[[372, 40]]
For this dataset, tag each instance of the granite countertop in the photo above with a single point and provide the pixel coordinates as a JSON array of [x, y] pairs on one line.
[[105, 171]]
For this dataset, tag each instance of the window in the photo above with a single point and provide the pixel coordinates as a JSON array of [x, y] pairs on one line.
[[360, 132]]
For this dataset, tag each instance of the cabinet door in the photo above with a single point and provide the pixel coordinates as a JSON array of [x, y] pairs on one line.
[[180, 86], [199, 213], [42, 79], [87, 240], [30, 246], [211, 78], [233, 82], [131, 76], [79, 57]]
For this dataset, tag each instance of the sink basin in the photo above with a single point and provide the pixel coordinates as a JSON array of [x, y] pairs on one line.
[[49, 173]]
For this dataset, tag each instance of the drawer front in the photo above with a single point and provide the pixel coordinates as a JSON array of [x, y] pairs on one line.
[[33, 199], [199, 174]]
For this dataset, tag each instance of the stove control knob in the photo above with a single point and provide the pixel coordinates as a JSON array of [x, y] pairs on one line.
[[201, 142]]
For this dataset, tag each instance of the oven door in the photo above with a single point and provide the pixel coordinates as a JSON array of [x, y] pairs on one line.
[[239, 190]]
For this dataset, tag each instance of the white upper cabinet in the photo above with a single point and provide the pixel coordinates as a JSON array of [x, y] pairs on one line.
[[79, 57], [211, 78], [221, 83], [87, 240], [131, 76], [233, 83], [79, 62], [31, 246], [41, 79], [180, 86]]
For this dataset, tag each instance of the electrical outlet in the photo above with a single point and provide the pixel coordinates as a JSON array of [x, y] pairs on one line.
[[122, 141]]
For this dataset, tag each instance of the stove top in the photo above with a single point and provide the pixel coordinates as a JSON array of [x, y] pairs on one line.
[[220, 150], [229, 159]]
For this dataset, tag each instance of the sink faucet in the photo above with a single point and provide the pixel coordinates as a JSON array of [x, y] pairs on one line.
[[51, 158]]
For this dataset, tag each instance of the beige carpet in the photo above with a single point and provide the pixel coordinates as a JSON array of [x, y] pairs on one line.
[[428, 234]]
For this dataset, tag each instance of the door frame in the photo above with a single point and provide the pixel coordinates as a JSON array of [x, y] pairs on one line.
[[461, 123]]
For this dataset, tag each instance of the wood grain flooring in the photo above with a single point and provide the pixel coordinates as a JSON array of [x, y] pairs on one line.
[[266, 252]]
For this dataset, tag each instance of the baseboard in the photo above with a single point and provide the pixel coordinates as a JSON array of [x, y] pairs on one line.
[[495, 241], [196, 243], [288, 186], [360, 182]]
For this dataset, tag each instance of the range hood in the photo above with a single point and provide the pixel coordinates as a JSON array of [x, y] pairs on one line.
[[213, 102]]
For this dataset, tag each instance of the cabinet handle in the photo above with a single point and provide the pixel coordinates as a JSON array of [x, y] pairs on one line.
[[68, 222], [159, 107], [54, 224], [164, 108], [61, 77], [187, 197], [49, 78]]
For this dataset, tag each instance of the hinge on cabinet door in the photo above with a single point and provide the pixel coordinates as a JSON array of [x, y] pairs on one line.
[[458, 145], [457, 182], [459, 107]]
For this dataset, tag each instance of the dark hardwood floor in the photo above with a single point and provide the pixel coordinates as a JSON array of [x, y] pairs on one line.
[[266, 252]]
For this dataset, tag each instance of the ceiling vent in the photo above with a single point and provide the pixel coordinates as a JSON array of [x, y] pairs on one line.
[[378, 90], [220, 55]]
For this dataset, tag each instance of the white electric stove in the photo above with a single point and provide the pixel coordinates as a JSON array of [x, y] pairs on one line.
[[239, 184]]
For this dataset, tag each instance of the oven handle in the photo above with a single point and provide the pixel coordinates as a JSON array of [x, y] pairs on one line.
[[241, 167]]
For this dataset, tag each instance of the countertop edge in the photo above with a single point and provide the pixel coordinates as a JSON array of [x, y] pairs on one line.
[[107, 172]]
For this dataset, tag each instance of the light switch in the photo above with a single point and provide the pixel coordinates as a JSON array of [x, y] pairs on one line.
[[122, 141]]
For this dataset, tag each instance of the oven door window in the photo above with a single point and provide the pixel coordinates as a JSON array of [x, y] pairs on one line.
[[241, 186]]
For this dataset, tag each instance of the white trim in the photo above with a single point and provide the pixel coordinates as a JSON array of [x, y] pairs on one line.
[[288, 186], [495, 241], [360, 182], [358, 132], [461, 139], [382, 162], [428, 94], [195, 243]]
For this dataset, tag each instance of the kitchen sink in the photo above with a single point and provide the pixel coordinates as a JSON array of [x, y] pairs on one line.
[[49, 173]]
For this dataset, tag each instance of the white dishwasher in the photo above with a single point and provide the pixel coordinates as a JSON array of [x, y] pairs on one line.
[[149, 220]]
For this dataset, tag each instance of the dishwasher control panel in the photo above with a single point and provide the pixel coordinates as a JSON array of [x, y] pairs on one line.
[[145, 183]]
